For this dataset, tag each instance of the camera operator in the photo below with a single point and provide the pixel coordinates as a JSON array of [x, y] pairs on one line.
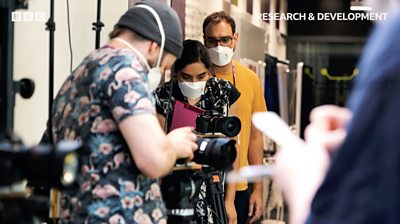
[[192, 83], [107, 104]]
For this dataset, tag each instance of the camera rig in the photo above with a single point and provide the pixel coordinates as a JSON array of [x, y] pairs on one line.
[[38, 166], [216, 153]]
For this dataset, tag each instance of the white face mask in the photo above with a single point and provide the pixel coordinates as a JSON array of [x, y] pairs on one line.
[[192, 90], [154, 75], [220, 55]]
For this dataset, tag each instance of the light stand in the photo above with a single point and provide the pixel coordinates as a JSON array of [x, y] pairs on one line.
[[51, 27], [54, 193], [7, 100], [98, 24]]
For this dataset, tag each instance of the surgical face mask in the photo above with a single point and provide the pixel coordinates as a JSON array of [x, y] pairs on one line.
[[192, 90], [220, 55], [154, 77], [154, 74]]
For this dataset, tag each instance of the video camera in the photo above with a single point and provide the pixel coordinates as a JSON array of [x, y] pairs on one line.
[[215, 152], [214, 149], [213, 122], [41, 166]]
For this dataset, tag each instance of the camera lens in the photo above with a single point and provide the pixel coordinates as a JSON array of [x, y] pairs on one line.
[[229, 126], [219, 153], [41, 165]]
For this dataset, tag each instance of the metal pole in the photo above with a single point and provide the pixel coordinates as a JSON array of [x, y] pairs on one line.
[[51, 27], [98, 24]]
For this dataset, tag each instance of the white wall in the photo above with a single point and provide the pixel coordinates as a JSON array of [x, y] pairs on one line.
[[31, 57], [31, 46], [275, 44], [195, 13]]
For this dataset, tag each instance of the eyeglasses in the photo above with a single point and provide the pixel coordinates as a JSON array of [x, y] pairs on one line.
[[224, 41]]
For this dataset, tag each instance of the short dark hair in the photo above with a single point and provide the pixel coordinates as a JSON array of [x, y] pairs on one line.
[[193, 51], [116, 32], [217, 17]]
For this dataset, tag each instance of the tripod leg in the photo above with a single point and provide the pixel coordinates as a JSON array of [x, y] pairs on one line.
[[215, 195]]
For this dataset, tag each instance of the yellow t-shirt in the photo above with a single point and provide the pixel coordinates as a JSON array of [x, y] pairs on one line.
[[251, 100]]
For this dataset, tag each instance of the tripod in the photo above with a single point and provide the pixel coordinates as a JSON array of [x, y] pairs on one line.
[[189, 185], [181, 191], [215, 194]]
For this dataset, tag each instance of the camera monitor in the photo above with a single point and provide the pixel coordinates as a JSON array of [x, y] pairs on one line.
[[184, 115]]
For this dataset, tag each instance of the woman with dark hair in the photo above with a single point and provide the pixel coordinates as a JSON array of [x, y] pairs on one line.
[[192, 83]]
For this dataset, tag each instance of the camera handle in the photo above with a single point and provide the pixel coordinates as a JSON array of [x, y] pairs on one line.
[[215, 195]]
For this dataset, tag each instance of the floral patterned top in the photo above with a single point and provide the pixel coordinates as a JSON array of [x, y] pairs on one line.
[[107, 87]]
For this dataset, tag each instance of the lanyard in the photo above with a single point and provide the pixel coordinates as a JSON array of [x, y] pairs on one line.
[[233, 74]]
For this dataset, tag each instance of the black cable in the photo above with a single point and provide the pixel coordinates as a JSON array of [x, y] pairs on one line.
[[216, 215], [69, 38], [214, 211], [207, 206]]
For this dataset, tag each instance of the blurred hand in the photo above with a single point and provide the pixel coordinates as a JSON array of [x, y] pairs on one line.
[[328, 126], [299, 170], [255, 205], [183, 140]]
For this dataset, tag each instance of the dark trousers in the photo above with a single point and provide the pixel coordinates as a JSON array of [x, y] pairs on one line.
[[242, 205]]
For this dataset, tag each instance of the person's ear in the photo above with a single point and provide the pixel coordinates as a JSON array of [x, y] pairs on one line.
[[235, 40], [153, 53], [153, 50]]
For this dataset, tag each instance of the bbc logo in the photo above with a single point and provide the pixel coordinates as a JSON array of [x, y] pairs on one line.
[[28, 17]]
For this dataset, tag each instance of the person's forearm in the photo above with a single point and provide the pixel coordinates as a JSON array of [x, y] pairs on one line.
[[231, 187], [255, 155], [230, 192], [170, 158], [160, 163]]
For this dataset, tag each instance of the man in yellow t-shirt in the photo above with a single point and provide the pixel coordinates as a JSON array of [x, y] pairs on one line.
[[221, 39]]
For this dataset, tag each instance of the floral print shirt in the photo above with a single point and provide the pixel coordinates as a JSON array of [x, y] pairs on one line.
[[109, 86]]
